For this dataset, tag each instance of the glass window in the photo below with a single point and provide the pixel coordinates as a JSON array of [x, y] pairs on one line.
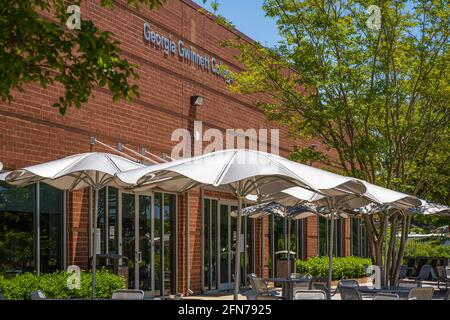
[[322, 238], [51, 228], [17, 212], [157, 242], [170, 201], [206, 243], [359, 238], [101, 219], [18, 223], [300, 239], [128, 225], [112, 220], [271, 246]]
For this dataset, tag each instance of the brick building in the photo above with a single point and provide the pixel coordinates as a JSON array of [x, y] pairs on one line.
[[177, 242]]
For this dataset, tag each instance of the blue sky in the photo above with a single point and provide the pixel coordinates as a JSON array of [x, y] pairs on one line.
[[249, 18]]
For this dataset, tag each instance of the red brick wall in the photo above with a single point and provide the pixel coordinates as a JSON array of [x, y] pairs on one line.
[[77, 229], [311, 234], [347, 237]]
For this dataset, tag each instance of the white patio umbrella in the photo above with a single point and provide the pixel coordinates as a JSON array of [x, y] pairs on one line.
[[3, 175], [243, 172], [373, 195], [95, 170], [428, 207]]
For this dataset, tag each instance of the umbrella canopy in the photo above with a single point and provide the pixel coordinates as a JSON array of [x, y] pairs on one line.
[[297, 212], [74, 172], [95, 170], [259, 173], [243, 172], [3, 175], [428, 208]]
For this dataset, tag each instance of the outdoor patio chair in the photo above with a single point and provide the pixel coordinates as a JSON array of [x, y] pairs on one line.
[[425, 293], [447, 295], [319, 283], [425, 272], [304, 284], [403, 271], [348, 283], [261, 290], [385, 296], [443, 275], [349, 293], [128, 294], [310, 295], [38, 295]]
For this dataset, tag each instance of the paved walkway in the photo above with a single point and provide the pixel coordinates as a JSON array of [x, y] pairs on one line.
[[228, 295]]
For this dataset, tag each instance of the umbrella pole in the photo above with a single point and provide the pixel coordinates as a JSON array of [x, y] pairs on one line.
[[237, 258], [330, 255], [94, 243], [289, 250]]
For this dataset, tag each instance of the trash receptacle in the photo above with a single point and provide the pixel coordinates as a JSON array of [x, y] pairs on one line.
[[281, 263]]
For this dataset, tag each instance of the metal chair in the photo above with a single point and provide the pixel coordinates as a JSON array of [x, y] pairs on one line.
[[128, 294], [319, 283], [310, 295], [348, 283], [425, 293], [403, 271], [303, 284], [443, 275], [425, 272], [447, 295], [349, 293], [385, 296], [261, 290], [38, 295]]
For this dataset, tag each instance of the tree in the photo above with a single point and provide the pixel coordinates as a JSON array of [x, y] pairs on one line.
[[374, 88], [36, 46]]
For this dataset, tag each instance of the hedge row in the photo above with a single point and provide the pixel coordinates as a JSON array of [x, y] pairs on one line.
[[416, 248], [55, 285], [343, 268]]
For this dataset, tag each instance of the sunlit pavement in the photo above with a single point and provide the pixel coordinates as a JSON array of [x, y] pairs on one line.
[[228, 295]]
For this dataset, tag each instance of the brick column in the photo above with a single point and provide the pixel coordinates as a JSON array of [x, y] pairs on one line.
[[347, 237], [311, 234], [77, 228], [195, 241], [262, 243], [182, 244]]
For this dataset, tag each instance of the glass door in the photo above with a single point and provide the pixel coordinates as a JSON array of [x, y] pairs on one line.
[[227, 246], [145, 243], [128, 236], [147, 240]]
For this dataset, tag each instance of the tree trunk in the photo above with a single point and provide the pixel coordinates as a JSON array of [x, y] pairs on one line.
[[392, 259], [401, 250]]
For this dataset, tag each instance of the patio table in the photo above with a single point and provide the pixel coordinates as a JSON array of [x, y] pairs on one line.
[[287, 285]]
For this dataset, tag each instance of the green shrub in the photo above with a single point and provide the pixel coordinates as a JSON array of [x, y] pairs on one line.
[[343, 268], [55, 285], [427, 249]]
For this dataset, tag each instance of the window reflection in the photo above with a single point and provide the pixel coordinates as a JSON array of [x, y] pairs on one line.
[[51, 212], [17, 211]]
